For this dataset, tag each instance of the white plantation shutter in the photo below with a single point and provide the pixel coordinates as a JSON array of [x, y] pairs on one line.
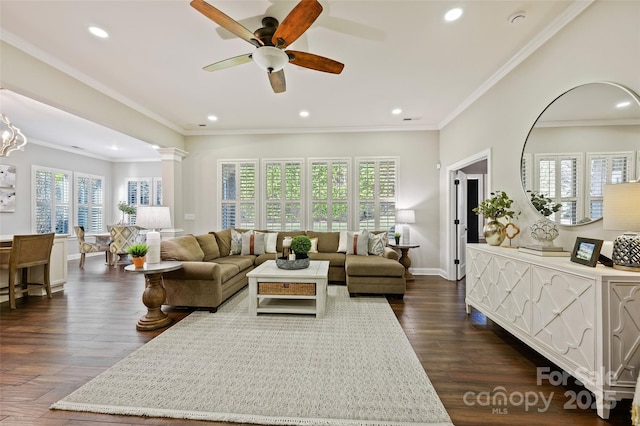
[[283, 194], [52, 211], [329, 189], [90, 202], [556, 176], [238, 194], [377, 194], [603, 169], [142, 191]]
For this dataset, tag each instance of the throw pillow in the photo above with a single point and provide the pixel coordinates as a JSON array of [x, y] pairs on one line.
[[342, 243], [236, 242], [377, 242], [358, 243], [314, 245], [209, 246], [252, 243], [270, 240]]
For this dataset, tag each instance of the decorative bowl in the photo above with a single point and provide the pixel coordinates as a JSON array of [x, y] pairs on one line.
[[292, 264]]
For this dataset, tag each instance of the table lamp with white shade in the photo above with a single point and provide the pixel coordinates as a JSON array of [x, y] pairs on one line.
[[622, 212], [153, 218], [405, 217]]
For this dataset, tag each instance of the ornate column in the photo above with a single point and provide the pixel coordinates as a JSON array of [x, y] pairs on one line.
[[172, 187]]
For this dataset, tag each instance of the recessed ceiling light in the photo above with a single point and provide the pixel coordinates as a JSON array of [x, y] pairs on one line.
[[304, 114], [155, 146], [212, 118], [396, 111], [114, 147], [98, 32], [623, 104], [453, 14]]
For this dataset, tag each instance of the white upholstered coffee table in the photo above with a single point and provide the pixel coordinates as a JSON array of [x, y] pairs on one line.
[[300, 291]]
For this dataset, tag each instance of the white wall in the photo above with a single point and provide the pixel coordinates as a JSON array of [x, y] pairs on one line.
[[417, 186], [602, 44]]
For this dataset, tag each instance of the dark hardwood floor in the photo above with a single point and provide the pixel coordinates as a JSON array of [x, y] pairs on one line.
[[49, 348]]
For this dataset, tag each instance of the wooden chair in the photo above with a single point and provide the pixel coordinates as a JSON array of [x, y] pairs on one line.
[[26, 251], [85, 247]]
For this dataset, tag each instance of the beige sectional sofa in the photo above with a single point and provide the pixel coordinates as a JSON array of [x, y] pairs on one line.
[[211, 274]]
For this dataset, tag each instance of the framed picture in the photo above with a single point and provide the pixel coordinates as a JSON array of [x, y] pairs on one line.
[[586, 251], [7, 188], [7, 176]]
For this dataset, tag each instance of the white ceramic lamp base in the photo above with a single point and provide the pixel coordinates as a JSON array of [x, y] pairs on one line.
[[153, 241]]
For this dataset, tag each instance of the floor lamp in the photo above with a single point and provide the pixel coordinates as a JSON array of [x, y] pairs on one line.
[[405, 217], [153, 218]]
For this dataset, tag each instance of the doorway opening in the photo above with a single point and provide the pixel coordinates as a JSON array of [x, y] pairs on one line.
[[468, 180]]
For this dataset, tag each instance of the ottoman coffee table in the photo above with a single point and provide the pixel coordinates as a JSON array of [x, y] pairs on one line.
[[299, 291]]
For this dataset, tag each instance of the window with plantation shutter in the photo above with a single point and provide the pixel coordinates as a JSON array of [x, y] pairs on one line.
[[377, 194], [238, 183], [329, 192], [52, 210], [283, 196], [89, 196], [556, 176], [143, 192], [603, 169]]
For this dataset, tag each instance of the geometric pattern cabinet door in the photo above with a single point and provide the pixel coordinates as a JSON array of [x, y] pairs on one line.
[[513, 292], [624, 318]]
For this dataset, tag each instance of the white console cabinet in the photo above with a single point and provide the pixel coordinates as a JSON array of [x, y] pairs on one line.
[[585, 320]]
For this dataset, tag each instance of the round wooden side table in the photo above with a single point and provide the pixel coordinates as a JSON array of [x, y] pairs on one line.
[[154, 294], [405, 260]]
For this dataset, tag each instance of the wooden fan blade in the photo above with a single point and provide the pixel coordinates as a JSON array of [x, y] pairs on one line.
[[225, 21], [277, 81], [296, 23], [231, 62], [314, 62]]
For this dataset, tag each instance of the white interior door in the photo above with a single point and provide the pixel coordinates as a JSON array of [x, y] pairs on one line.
[[460, 223]]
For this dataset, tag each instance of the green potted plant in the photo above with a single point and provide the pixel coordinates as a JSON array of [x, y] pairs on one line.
[[125, 209], [137, 253], [301, 245], [396, 236], [544, 230], [493, 208]]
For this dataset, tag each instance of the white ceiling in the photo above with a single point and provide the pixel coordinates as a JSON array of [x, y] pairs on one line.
[[397, 54]]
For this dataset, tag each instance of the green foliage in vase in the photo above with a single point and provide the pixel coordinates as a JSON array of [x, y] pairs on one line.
[[396, 235], [125, 208], [300, 244], [543, 204], [138, 250], [497, 206]]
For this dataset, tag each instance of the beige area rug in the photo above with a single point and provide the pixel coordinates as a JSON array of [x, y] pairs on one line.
[[355, 366]]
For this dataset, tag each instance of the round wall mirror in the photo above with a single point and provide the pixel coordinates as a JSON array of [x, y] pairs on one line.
[[587, 137]]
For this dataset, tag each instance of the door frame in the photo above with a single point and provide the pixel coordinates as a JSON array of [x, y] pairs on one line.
[[451, 204]]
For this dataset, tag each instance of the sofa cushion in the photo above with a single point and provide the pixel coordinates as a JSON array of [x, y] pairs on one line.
[[209, 246], [242, 262], [327, 241], [185, 248], [373, 266], [252, 243], [228, 271], [335, 259], [358, 243], [236, 242], [223, 238], [270, 240]]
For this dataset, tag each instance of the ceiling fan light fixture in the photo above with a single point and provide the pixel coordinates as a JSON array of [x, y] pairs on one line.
[[270, 59]]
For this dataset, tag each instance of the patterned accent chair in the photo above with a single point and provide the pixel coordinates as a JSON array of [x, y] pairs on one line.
[[122, 237], [85, 247], [26, 251]]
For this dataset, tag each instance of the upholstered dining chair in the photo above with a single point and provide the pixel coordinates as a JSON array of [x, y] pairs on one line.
[[85, 247], [26, 251], [122, 237]]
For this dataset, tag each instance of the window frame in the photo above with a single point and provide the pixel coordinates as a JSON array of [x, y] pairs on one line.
[[377, 200], [557, 197], [90, 205], [53, 204], [238, 202], [283, 201], [330, 201]]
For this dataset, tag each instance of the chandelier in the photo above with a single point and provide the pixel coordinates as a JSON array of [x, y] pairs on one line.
[[12, 137]]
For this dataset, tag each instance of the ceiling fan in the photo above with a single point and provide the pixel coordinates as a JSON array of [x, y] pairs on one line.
[[271, 40]]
